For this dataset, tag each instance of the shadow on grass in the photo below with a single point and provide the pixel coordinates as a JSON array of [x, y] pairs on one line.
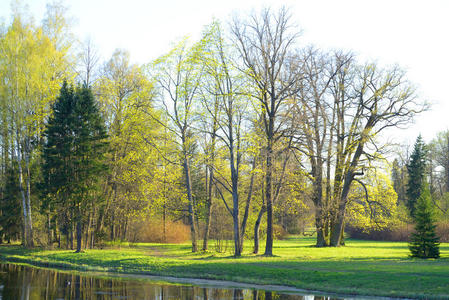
[[18, 250]]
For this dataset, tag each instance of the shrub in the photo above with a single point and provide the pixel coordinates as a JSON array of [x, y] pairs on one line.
[[398, 233], [152, 231], [279, 232]]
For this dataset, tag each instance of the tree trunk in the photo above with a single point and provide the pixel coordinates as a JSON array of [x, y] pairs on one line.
[[257, 227], [27, 235], [79, 230], [71, 234], [191, 204], [28, 200], [57, 233], [268, 196], [317, 170], [446, 165], [67, 239], [320, 231], [125, 229], [49, 233], [337, 226], [336, 230], [164, 221], [208, 209], [247, 206], [237, 247], [87, 230], [112, 227]]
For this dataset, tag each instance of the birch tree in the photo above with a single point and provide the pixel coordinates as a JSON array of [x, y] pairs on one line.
[[32, 71], [178, 77]]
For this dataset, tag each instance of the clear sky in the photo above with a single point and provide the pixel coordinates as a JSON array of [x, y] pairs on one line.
[[413, 34]]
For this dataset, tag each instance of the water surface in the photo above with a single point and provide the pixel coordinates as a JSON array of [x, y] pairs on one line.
[[21, 282]]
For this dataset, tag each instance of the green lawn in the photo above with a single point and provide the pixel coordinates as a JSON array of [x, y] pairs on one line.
[[361, 267]]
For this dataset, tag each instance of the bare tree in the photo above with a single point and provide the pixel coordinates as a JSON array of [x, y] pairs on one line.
[[314, 120], [88, 62], [340, 109], [368, 100], [226, 87], [265, 43]]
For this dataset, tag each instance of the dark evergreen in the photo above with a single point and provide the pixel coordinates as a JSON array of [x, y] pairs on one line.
[[74, 154], [416, 174], [10, 207], [424, 241]]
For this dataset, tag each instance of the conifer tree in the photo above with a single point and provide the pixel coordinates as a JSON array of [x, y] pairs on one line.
[[10, 213], [73, 153], [416, 172], [424, 241]]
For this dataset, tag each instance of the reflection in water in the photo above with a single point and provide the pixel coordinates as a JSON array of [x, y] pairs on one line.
[[20, 282]]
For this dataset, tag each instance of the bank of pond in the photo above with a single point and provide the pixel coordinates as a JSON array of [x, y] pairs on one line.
[[360, 268], [29, 283]]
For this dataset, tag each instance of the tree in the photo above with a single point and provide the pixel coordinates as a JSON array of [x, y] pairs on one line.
[[424, 241], [439, 159], [375, 99], [416, 174], [314, 121], [265, 44], [178, 78], [399, 179], [125, 97], [88, 63], [342, 107], [227, 110], [10, 214], [73, 153], [33, 61]]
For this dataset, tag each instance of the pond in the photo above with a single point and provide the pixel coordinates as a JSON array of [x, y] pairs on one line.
[[28, 283]]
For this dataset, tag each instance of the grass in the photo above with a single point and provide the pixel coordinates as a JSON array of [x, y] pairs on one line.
[[361, 267]]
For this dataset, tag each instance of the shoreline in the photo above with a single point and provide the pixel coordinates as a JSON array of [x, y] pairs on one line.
[[364, 269], [192, 281]]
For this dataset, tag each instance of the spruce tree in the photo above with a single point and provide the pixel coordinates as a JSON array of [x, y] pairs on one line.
[[10, 212], [88, 153], [416, 174], [73, 153], [424, 241]]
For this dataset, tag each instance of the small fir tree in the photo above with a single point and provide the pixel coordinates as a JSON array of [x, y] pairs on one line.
[[424, 241], [416, 172]]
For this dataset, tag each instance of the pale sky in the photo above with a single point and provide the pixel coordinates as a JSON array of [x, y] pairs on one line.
[[412, 34]]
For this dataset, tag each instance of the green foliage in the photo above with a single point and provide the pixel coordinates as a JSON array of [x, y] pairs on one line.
[[137, 184], [73, 154], [74, 146], [57, 166], [379, 210], [33, 62], [10, 216], [416, 172], [424, 241]]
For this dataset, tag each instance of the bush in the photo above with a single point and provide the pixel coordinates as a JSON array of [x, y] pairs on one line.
[[279, 233], [152, 231], [221, 230], [398, 233]]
